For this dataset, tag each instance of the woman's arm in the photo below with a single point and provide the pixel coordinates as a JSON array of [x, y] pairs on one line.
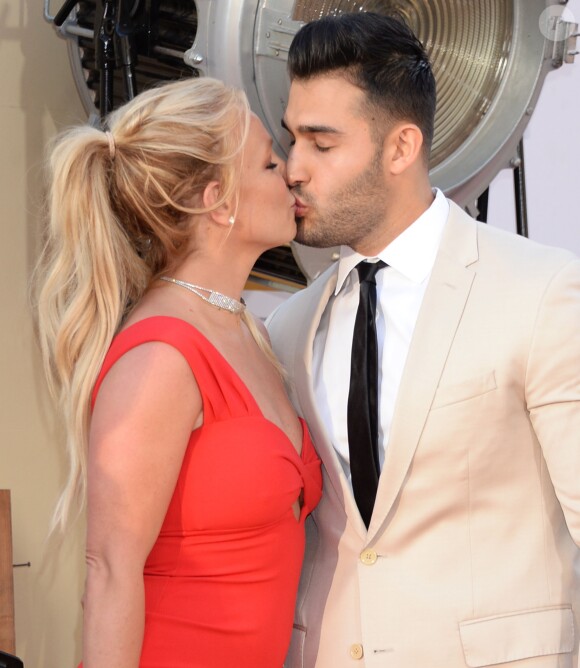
[[145, 411]]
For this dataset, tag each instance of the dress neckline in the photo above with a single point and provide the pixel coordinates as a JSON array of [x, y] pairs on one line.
[[238, 380]]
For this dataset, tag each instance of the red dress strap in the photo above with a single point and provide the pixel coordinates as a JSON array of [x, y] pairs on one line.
[[223, 393]]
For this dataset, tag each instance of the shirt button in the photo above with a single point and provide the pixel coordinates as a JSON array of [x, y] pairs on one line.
[[356, 651], [368, 557]]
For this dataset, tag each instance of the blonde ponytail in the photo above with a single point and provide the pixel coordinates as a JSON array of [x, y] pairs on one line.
[[89, 272], [118, 209]]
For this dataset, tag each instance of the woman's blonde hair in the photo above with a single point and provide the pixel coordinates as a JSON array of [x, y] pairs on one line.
[[118, 206]]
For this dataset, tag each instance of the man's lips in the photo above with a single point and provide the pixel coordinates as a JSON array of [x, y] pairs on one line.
[[300, 209]]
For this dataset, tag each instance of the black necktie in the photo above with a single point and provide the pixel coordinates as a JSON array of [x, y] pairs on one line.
[[362, 411]]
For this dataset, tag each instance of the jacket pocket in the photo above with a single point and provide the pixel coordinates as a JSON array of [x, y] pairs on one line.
[[468, 389], [519, 635]]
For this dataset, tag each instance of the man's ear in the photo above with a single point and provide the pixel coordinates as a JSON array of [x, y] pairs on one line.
[[403, 147], [212, 195]]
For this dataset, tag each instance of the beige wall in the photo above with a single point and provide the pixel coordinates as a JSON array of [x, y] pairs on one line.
[[37, 96]]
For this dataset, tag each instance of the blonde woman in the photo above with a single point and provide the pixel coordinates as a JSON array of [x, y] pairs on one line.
[[197, 472]]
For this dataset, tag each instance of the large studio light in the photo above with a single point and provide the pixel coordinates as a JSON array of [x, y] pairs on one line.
[[490, 58]]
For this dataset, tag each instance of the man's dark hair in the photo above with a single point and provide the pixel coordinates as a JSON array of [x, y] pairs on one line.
[[378, 54]]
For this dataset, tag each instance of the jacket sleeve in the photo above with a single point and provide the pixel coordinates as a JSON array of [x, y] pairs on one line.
[[553, 388]]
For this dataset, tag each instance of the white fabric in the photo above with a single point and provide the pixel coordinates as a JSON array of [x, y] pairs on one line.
[[400, 290]]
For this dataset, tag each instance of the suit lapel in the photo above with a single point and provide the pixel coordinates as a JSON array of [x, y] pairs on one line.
[[438, 320], [305, 399]]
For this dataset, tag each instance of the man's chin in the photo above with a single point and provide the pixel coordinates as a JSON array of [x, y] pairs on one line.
[[313, 243], [304, 238]]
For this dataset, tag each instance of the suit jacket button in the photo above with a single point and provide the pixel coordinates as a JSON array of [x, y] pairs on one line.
[[368, 557], [356, 651]]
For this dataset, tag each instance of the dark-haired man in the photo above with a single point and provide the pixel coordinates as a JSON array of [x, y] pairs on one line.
[[449, 529]]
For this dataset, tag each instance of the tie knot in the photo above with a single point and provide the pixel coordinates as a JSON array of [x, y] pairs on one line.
[[368, 270]]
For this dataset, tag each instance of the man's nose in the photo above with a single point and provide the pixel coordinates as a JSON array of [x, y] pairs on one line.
[[295, 172]]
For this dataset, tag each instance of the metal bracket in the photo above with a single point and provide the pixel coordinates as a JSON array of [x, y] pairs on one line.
[[69, 29], [565, 34], [275, 31], [572, 43]]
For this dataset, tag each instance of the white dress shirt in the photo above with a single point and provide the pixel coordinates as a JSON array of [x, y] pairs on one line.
[[400, 290]]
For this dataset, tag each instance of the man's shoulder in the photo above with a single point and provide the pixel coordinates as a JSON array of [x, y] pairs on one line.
[[302, 300], [499, 248], [523, 257]]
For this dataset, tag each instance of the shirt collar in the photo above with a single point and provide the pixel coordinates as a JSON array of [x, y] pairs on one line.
[[413, 252]]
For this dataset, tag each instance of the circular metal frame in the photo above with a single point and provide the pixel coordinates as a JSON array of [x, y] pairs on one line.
[[246, 42]]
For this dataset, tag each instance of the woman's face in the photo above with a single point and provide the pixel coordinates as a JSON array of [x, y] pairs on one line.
[[266, 206]]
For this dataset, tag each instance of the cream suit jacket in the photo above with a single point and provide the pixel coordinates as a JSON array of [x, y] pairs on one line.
[[471, 557]]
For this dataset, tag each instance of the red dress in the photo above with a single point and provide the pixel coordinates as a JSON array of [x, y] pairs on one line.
[[221, 579]]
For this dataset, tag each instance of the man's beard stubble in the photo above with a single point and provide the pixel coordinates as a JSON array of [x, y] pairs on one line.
[[354, 215]]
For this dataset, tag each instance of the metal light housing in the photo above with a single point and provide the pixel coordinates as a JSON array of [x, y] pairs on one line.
[[489, 58]]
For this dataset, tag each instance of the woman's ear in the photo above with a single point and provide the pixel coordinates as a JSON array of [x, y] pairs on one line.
[[212, 195], [403, 147]]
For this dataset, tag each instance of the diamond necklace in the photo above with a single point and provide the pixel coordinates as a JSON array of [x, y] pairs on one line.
[[214, 298]]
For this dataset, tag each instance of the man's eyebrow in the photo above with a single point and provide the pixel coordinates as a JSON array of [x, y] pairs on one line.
[[313, 129]]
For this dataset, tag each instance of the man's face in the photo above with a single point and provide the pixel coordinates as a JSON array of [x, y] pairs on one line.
[[334, 167]]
